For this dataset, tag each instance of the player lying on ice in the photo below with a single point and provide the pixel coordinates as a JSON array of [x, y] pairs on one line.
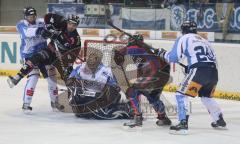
[[61, 52], [152, 76], [202, 76], [93, 91], [32, 43]]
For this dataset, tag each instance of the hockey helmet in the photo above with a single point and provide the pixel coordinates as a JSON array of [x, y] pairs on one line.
[[73, 19], [29, 11], [189, 27]]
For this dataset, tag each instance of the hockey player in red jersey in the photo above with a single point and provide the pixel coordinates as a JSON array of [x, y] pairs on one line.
[[152, 75]]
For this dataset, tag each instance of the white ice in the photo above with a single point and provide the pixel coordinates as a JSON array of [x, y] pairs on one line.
[[47, 127]]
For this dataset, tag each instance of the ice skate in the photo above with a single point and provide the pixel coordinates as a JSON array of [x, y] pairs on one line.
[[56, 106], [219, 124], [12, 81], [180, 129], [136, 122], [163, 120], [27, 109]]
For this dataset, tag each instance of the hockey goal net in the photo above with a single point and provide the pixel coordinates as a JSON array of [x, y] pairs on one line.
[[107, 50]]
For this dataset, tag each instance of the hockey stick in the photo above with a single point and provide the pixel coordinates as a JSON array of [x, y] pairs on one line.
[[140, 43], [125, 76], [59, 55]]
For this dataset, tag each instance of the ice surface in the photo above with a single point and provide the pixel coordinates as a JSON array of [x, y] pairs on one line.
[[47, 127]]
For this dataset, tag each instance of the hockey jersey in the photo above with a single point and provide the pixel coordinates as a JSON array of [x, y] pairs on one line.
[[192, 46], [31, 42], [147, 64], [94, 82], [58, 23]]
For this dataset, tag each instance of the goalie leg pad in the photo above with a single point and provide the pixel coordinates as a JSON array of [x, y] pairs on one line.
[[108, 96]]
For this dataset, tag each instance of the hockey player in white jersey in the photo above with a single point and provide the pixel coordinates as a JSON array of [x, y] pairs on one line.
[[202, 76], [93, 91], [32, 42]]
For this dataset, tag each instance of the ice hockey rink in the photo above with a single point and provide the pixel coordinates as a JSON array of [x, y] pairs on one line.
[[47, 127]]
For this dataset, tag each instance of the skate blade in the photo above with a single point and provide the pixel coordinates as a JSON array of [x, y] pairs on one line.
[[220, 128], [55, 110], [11, 85], [132, 129], [161, 124], [180, 132], [27, 112], [59, 108]]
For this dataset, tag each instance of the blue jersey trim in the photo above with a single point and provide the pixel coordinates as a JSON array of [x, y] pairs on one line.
[[173, 55]]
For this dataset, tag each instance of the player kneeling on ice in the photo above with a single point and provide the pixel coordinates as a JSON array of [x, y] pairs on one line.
[[202, 76], [93, 91], [152, 76], [61, 52]]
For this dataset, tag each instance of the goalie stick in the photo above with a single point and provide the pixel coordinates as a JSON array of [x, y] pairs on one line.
[[147, 47]]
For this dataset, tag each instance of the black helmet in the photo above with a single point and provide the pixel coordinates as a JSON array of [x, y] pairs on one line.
[[131, 40], [189, 27], [29, 11], [73, 19]]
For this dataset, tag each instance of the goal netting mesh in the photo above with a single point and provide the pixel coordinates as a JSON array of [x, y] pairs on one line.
[[129, 68]]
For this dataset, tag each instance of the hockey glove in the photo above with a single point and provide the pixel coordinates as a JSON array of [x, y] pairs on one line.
[[53, 35], [160, 52], [118, 58], [67, 71], [39, 31]]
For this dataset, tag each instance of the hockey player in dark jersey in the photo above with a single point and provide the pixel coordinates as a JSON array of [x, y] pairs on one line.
[[62, 50], [64, 35], [152, 75]]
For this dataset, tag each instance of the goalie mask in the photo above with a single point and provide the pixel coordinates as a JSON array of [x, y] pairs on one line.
[[94, 59], [132, 40]]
